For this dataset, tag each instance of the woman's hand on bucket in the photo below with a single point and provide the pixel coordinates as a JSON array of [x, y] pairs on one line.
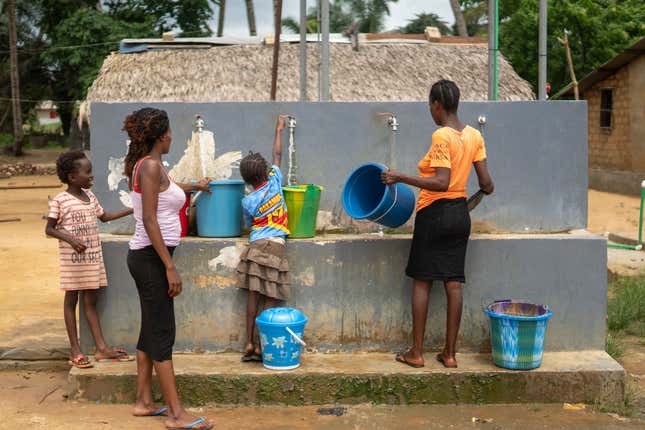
[[390, 177], [202, 185], [174, 282]]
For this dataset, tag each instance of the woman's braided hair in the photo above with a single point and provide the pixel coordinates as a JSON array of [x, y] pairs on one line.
[[254, 168], [447, 93], [144, 127]]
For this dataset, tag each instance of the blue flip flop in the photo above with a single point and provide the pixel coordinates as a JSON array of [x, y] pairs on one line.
[[156, 413], [192, 425]]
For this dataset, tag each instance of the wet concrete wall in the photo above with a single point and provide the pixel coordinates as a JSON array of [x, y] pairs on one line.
[[355, 293], [537, 152]]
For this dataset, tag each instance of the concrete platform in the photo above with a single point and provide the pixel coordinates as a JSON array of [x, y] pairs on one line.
[[355, 293], [585, 376]]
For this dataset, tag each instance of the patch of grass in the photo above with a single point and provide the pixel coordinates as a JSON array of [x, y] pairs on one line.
[[627, 408], [626, 306], [6, 139], [614, 345]]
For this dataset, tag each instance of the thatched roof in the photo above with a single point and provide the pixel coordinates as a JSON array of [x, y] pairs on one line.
[[377, 72]]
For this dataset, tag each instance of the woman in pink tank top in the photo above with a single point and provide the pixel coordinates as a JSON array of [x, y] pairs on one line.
[[156, 201]]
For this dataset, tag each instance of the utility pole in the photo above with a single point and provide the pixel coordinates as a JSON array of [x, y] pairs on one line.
[[15, 84], [220, 18], [250, 14], [277, 8], [542, 29]]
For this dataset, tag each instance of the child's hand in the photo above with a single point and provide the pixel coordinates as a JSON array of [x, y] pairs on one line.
[[78, 246], [279, 126]]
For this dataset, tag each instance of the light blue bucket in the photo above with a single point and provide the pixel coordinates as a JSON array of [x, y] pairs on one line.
[[365, 196], [219, 214], [517, 333], [281, 333]]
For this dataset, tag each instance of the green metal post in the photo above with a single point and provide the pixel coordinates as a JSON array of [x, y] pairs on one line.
[[640, 218], [496, 49]]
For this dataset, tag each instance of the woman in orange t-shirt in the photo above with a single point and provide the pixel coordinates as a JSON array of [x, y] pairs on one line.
[[442, 224]]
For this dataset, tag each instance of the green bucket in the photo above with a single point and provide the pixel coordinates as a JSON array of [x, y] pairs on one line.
[[302, 209]]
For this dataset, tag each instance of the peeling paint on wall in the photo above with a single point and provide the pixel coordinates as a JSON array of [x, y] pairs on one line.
[[307, 277], [228, 258], [115, 168]]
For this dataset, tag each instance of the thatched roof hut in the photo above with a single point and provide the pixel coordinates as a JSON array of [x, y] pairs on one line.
[[376, 72]]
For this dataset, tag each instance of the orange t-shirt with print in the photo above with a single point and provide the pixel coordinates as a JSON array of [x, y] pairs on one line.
[[456, 151]]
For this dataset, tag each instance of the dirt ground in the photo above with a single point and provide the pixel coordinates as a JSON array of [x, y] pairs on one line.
[[31, 318], [36, 400]]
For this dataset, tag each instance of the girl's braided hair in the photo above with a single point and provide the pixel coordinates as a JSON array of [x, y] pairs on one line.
[[254, 168], [144, 127], [447, 93]]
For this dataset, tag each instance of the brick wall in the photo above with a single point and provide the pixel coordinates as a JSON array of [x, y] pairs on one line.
[[610, 148]]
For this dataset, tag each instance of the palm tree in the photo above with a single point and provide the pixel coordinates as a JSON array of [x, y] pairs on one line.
[[371, 14], [423, 20], [250, 14]]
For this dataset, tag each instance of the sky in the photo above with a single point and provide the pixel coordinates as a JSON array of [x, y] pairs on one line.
[[236, 24]]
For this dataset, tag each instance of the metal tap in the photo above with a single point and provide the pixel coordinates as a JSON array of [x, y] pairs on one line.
[[199, 123]]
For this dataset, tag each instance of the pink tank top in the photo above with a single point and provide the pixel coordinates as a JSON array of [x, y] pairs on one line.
[[168, 206]]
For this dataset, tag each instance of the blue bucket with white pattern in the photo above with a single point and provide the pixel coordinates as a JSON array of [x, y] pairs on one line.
[[517, 333], [281, 333]]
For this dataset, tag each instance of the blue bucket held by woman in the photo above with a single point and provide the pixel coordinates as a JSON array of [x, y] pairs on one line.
[[517, 333], [365, 196], [219, 214], [281, 333]]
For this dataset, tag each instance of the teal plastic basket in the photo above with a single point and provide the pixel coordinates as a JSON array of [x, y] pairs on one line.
[[517, 333]]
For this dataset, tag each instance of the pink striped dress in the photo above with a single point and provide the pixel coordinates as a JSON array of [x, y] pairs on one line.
[[79, 219]]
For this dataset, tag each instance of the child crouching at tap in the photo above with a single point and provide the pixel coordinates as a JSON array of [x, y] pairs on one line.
[[263, 269], [72, 219]]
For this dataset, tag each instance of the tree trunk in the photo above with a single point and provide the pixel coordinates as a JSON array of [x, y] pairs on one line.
[[459, 18], [277, 9], [15, 84], [220, 18], [250, 14]]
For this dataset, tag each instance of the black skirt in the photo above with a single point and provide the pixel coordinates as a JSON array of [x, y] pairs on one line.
[[438, 251], [157, 333]]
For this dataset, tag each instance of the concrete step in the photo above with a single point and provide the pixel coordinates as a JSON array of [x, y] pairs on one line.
[[585, 376]]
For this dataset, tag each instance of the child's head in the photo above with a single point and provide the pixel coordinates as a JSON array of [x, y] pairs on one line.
[[74, 168], [254, 169], [443, 99], [146, 128]]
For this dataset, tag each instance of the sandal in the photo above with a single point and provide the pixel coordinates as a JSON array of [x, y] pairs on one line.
[[119, 355], [246, 358], [402, 358], [159, 412], [80, 361], [193, 425], [441, 360]]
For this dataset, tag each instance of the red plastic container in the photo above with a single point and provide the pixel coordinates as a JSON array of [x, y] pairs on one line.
[[183, 216]]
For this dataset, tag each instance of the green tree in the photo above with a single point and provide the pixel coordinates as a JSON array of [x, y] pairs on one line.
[[33, 72], [370, 14], [599, 30], [423, 20], [189, 16], [340, 18]]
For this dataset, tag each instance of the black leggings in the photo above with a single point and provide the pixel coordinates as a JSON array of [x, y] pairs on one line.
[[157, 334]]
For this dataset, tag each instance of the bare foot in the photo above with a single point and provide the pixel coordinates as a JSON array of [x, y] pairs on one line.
[[186, 420], [149, 410]]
